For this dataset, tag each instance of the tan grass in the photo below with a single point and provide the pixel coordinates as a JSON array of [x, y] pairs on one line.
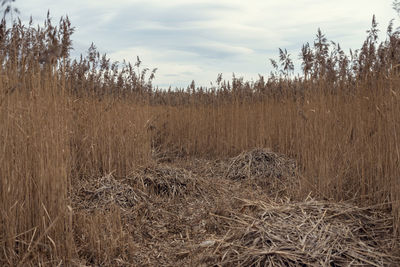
[[73, 135]]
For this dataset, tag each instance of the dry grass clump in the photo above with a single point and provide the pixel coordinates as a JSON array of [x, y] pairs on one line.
[[94, 194], [206, 168], [270, 170], [310, 233], [164, 180], [260, 163]]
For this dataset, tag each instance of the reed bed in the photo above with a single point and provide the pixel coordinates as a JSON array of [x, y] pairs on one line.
[[75, 133]]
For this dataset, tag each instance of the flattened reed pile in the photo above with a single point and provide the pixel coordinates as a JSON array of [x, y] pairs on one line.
[[100, 193], [187, 219], [309, 233], [270, 170], [164, 180]]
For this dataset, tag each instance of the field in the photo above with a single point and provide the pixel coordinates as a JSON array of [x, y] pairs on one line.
[[99, 168]]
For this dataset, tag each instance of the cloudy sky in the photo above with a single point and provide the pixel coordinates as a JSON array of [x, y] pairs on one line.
[[196, 40]]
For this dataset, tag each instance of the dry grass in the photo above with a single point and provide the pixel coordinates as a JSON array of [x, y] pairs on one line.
[[345, 146], [274, 173], [308, 233], [164, 180], [229, 223], [75, 135]]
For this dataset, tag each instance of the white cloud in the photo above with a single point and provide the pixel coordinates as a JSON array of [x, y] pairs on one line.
[[198, 39]]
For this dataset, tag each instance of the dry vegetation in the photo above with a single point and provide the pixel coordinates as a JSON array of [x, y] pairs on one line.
[[97, 167]]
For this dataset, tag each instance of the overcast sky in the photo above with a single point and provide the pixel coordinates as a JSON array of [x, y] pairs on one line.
[[196, 40]]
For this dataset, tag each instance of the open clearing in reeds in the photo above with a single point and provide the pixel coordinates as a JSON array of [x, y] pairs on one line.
[[185, 214], [99, 168]]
